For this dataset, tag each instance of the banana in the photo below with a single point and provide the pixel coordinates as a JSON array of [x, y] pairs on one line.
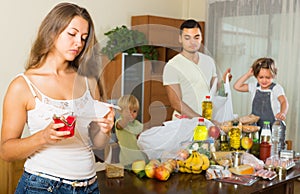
[[188, 170], [206, 162], [180, 163], [190, 158], [197, 171], [195, 163], [197, 158], [181, 169]]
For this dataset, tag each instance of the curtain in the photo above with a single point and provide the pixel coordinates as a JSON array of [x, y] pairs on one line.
[[240, 31]]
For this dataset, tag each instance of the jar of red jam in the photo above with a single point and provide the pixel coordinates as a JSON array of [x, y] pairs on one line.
[[264, 151]]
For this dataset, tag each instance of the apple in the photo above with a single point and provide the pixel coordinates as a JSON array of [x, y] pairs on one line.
[[246, 142], [138, 165], [161, 173], [214, 132], [150, 168]]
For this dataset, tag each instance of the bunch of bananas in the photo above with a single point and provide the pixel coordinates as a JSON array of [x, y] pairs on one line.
[[195, 163]]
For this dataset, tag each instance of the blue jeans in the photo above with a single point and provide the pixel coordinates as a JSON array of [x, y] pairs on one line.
[[30, 184]]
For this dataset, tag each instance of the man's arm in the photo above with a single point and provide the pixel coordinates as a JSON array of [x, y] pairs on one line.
[[175, 98]]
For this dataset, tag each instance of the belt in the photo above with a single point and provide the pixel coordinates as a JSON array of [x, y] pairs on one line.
[[69, 182]]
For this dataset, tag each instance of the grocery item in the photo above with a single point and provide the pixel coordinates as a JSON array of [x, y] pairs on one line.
[[278, 135], [264, 151], [249, 119], [266, 133], [195, 163], [235, 137], [265, 174], [207, 108], [224, 145], [138, 166], [236, 158], [200, 131], [114, 170], [69, 122], [244, 169]]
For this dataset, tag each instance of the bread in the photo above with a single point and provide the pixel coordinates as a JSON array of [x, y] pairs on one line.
[[250, 128], [114, 170], [244, 169], [249, 119]]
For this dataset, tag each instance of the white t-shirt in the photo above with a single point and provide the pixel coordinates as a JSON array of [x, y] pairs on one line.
[[194, 79], [275, 93]]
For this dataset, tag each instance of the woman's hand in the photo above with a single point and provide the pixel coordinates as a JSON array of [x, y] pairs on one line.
[[99, 129], [51, 135], [107, 123]]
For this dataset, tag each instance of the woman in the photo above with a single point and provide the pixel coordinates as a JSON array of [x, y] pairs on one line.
[[52, 85]]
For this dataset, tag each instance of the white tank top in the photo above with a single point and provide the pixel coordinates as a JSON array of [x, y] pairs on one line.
[[73, 157]]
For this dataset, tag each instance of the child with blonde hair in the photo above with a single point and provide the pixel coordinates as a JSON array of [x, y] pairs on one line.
[[127, 130]]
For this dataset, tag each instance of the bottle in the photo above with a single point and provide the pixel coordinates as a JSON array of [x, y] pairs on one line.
[[235, 136], [200, 131], [278, 134], [207, 108], [255, 148], [266, 133], [224, 146], [276, 129]]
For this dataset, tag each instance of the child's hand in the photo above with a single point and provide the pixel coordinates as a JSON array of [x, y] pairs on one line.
[[280, 116], [127, 115], [250, 72]]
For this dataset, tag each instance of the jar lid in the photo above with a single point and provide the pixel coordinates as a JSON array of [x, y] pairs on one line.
[[223, 137]]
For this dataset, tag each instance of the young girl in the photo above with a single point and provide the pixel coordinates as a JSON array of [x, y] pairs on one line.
[[268, 98], [53, 84], [128, 128]]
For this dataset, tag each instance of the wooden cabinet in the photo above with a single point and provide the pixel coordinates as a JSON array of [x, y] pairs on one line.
[[163, 33], [10, 173]]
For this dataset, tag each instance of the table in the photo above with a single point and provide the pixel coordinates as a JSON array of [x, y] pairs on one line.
[[191, 183]]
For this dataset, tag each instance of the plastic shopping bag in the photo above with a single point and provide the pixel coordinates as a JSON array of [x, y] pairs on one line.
[[165, 141], [222, 105]]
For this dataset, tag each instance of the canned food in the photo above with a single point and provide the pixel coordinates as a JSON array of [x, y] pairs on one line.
[[281, 172]]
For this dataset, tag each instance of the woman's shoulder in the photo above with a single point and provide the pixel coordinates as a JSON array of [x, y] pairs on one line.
[[18, 83], [18, 88]]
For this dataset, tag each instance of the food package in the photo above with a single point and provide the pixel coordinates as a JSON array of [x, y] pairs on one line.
[[249, 119], [250, 128], [253, 161], [114, 170], [244, 169], [217, 173], [222, 158], [226, 126]]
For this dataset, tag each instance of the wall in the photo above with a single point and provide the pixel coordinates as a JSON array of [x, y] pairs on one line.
[[19, 21]]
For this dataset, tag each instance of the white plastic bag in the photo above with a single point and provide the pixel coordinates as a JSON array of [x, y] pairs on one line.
[[222, 105], [165, 141]]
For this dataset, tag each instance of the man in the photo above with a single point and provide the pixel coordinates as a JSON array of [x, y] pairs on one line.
[[189, 75]]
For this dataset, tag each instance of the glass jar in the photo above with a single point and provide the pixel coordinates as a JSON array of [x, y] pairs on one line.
[[264, 151], [224, 145]]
